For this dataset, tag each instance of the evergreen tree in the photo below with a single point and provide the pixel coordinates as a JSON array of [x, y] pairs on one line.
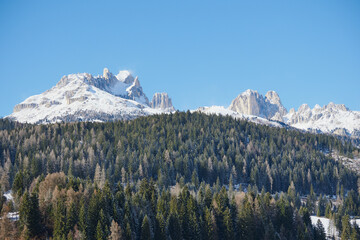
[[99, 234], [210, 231], [228, 225], [83, 219], [160, 227], [346, 228], [60, 220], [145, 229], [71, 217], [30, 215], [174, 227], [320, 231]]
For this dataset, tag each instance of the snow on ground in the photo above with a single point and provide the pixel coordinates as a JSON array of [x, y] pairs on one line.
[[220, 110], [13, 216], [9, 196], [329, 226]]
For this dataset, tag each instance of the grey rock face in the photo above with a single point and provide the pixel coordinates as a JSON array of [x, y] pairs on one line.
[[162, 101], [22, 106], [135, 92], [109, 81], [252, 103], [273, 98]]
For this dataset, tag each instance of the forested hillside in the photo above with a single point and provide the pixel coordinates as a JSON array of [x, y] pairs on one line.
[[171, 176]]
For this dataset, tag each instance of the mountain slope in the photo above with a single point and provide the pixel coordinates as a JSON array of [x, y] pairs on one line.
[[222, 111], [251, 102], [82, 97], [332, 118]]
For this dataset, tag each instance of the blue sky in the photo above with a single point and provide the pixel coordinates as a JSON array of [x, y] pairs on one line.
[[201, 52]]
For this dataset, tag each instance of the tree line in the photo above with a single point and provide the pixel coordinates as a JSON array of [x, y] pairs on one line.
[[105, 166]]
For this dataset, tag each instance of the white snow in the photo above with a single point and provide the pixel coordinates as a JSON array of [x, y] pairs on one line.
[[329, 226], [74, 94], [9, 196], [13, 216], [77, 93], [220, 110], [327, 119], [122, 75]]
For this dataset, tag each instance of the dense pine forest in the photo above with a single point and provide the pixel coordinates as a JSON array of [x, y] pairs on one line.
[[173, 176]]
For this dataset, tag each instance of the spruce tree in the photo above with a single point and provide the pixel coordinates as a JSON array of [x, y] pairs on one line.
[[99, 233], [145, 229], [346, 227], [228, 225], [60, 219], [30, 215], [174, 227]]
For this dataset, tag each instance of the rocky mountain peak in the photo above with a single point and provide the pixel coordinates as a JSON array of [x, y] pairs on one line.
[[273, 97], [303, 108], [136, 82], [331, 118], [333, 106], [123, 85], [83, 97], [251, 102], [162, 101], [250, 92], [106, 73]]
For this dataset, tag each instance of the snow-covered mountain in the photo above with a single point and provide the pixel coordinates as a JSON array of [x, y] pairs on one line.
[[83, 97], [220, 110], [332, 118], [252, 103]]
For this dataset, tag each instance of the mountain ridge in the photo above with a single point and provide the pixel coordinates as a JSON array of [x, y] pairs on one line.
[[108, 97], [83, 97], [331, 118]]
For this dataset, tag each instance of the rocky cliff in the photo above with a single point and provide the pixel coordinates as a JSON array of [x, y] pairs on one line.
[[162, 101]]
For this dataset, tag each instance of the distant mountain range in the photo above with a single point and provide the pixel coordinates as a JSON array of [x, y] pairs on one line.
[[83, 97]]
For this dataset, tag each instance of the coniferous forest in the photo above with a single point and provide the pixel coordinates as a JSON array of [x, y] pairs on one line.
[[173, 176]]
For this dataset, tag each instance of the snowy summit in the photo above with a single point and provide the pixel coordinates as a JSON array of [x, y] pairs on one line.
[[83, 97]]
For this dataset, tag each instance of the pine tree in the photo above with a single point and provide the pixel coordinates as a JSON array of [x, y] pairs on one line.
[[160, 227], [174, 227], [83, 220], [99, 234], [229, 229], [320, 231], [346, 227], [71, 217], [60, 220], [194, 229], [210, 231], [30, 215], [145, 229]]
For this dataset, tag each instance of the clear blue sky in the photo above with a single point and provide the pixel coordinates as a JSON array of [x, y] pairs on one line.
[[201, 52]]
